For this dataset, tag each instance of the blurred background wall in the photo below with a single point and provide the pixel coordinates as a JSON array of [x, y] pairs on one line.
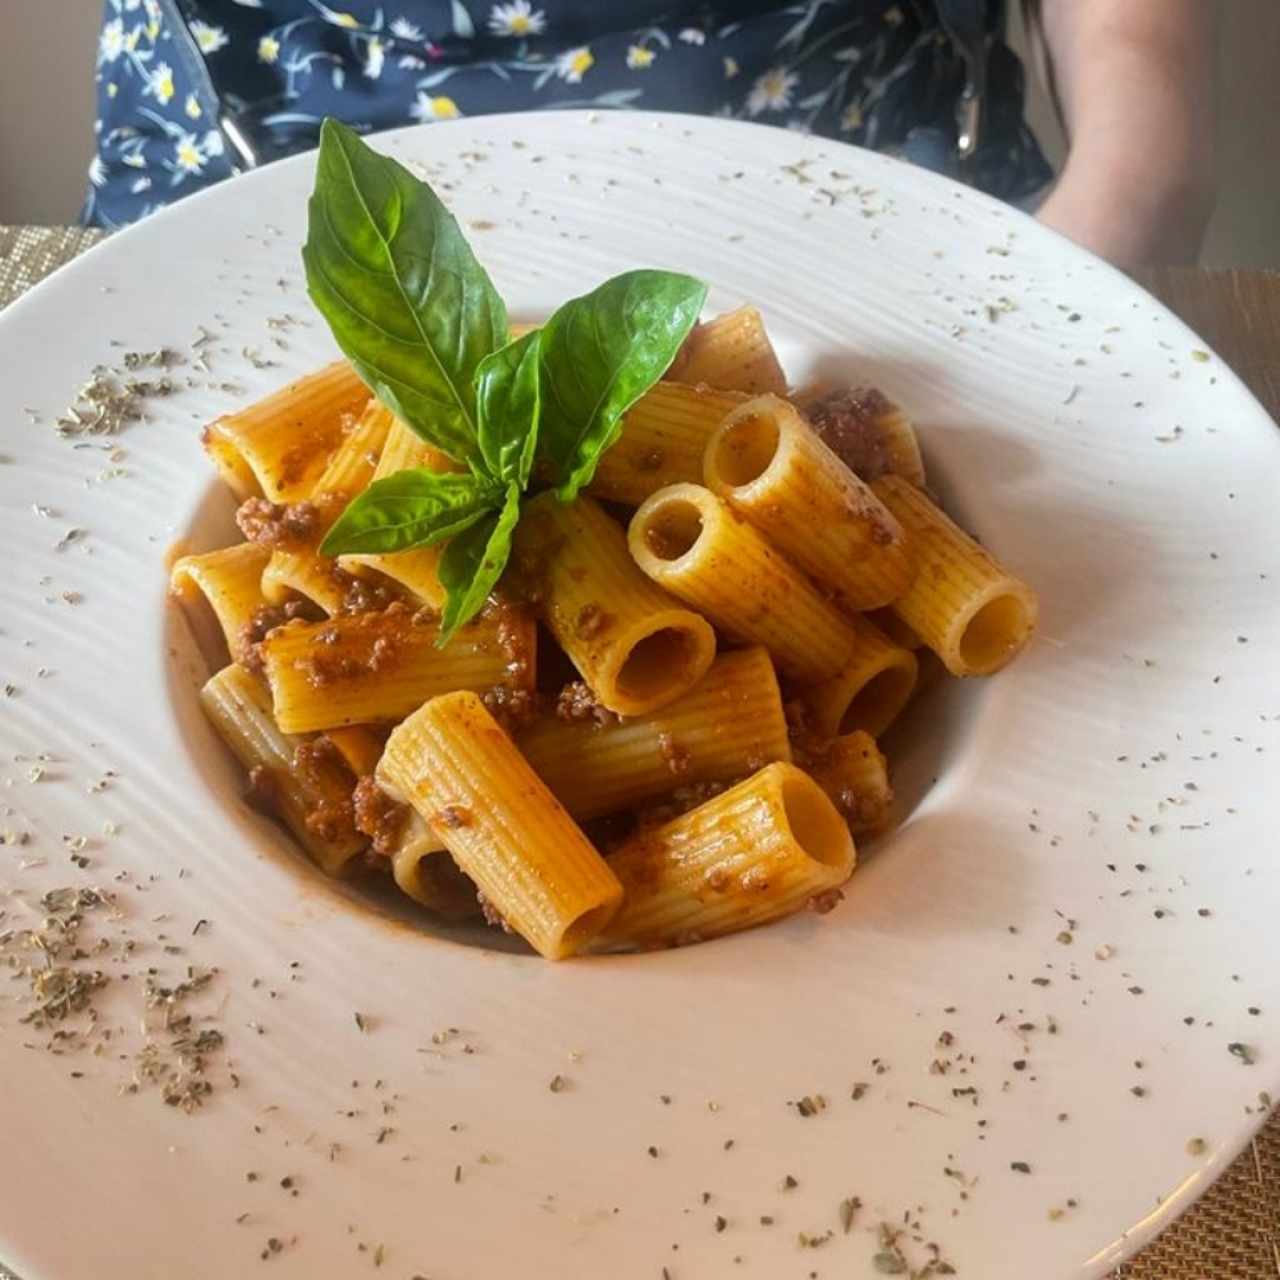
[[46, 120]]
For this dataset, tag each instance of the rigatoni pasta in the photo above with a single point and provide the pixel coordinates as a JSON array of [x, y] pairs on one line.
[[732, 352], [352, 466], [636, 647], [279, 447], [290, 777], [296, 566], [970, 610], [359, 745], [894, 628], [454, 764], [404, 449], [664, 438], [729, 724], [869, 692], [770, 466], [415, 570], [688, 541], [852, 770], [872, 435], [378, 667], [757, 852], [424, 871], [219, 592]]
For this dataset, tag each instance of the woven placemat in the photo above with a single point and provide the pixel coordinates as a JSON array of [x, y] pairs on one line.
[[1232, 1232]]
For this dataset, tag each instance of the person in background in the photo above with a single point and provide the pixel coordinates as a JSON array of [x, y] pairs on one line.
[[194, 91]]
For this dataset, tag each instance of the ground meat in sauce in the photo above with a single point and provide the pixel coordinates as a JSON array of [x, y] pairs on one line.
[[378, 816], [577, 703], [513, 709], [322, 770], [364, 595], [514, 632], [368, 642], [846, 421], [261, 622], [676, 756], [274, 524]]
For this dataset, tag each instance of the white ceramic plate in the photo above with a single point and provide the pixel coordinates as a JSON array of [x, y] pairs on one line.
[[1088, 839]]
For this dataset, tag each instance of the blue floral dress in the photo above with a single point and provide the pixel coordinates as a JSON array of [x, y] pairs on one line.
[[192, 91]]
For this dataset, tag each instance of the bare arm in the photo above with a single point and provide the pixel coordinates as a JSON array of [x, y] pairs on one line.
[[1135, 81]]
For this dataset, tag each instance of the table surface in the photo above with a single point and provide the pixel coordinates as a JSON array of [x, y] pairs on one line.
[[1234, 1230]]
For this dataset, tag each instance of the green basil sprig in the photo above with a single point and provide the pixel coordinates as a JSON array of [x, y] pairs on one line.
[[390, 270], [418, 317], [600, 354]]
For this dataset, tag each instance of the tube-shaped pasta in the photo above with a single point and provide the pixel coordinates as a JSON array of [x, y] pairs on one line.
[[404, 449], [311, 796], [363, 668], [728, 725], [226, 584], [415, 570], [453, 763], [853, 772], [427, 873], [664, 436], [360, 745], [353, 464], [634, 645], [973, 613], [757, 852], [868, 693], [770, 466], [870, 433], [691, 543], [297, 566], [732, 352], [899, 442], [315, 576], [280, 446], [894, 628]]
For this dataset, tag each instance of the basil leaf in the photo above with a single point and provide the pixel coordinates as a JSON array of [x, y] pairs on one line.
[[389, 269], [508, 400], [600, 354], [472, 564], [412, 508]]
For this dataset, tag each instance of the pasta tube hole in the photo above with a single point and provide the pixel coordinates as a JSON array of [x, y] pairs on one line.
[[994, 632], [878, 702], [745, 448], [815, 823], [673, 529], [652, 662], [585, 927]]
